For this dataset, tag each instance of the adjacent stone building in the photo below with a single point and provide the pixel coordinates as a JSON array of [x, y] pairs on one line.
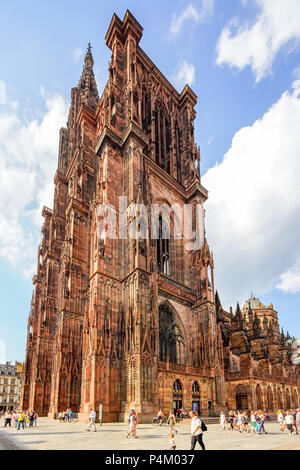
[[258, 359], [10, 385], [125, 322]]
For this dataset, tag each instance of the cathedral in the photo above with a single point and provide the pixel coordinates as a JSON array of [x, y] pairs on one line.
[[124, 322]]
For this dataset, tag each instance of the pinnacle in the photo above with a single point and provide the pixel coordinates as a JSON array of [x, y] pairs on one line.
[[88, 60], [87, 84]]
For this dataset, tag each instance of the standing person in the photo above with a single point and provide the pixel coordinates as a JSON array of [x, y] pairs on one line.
[[222, 420], [240, 421], [60, 416], [254, 427], [31, 418], [245, 418], [172, 422], [70, 415], [35, 417], [295, 425], [92, 420], [196, 431], [289, 421], [231, 419], [280, 419], [132, 425], [7, 418], [15, 416]]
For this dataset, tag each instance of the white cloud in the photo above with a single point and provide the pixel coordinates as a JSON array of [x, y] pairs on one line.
[[2, 92], [191, 13], [290, 280], [28, 158], [14, 105], [256, 44], [253, 210], [77, 54], [185, 74]]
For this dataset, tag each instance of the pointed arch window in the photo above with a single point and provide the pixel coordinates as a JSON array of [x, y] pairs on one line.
[[171, 338], [162, 250], [146, 111], [177, 387], [162, 138], [178, 160]]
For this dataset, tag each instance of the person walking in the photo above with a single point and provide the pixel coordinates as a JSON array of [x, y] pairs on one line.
[[196, 431], [92, 420], [289, 421], [7, 418], [298, 418], [21, 420], [172, 422], [132, 425], [261, 422]]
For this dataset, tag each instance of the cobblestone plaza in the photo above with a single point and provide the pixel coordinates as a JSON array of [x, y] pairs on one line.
[[52, 435]]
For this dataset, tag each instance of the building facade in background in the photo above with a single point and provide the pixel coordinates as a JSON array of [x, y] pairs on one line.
[[136, 322], [10, 385]]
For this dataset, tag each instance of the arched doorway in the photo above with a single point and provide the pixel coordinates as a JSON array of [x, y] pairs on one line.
[[288, 399], [258, 394], [171, 338], [177, 395], [196, 398], [270, 401], [241, 397]]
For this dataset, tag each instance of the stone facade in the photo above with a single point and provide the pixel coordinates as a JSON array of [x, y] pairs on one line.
[[10, 385], [258, 359], [123, 322]]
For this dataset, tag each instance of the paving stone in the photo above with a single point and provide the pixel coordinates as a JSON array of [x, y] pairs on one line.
[[52, 435]]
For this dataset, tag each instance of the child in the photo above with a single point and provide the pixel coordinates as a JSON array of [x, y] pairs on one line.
[[222, 420], [172, 442]]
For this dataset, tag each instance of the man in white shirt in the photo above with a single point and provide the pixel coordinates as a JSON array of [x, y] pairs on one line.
[[289, 422], [196, 431], [92, 419]]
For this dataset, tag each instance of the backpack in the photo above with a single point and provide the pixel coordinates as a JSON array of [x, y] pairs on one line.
[[203, 426]]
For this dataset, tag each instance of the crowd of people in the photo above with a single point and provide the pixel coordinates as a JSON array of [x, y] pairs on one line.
[[254, 421], [65, 416], [240, 421], [197, 426], [290, 420], [20, 419]]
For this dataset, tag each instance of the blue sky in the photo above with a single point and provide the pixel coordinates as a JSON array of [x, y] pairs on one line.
[[241, 57]]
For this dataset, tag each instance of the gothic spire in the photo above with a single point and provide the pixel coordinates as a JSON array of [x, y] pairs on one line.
[[87, 85], [238, 312], [218, 302]]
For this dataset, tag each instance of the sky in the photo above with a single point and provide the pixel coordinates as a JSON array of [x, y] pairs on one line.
[[242, 59]]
